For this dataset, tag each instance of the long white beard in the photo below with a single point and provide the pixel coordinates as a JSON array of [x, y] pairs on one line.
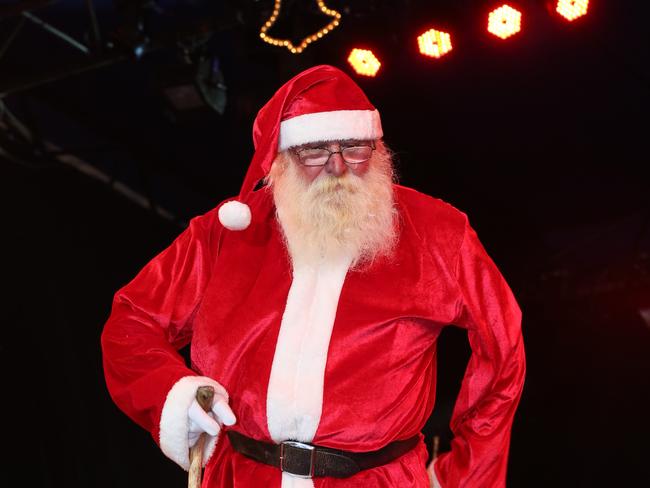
[[332, 216]]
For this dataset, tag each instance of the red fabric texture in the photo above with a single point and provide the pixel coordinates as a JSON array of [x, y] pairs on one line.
[[226, 292]]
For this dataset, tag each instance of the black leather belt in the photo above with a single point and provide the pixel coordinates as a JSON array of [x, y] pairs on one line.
[[308, 461]]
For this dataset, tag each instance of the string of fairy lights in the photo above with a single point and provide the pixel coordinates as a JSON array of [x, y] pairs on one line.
[[336, 16], [503, 22]]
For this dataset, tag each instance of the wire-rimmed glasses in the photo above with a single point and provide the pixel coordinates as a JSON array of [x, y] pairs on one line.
[[319, 156]]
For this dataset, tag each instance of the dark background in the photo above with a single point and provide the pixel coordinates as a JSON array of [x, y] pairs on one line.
[[541, 139]]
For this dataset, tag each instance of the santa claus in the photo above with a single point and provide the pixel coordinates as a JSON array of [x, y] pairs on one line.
[[313, 306]]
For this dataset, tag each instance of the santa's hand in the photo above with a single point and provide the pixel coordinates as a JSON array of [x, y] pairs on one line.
[[201, 421]]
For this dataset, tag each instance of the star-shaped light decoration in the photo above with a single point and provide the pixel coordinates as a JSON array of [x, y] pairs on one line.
[[307, 40]]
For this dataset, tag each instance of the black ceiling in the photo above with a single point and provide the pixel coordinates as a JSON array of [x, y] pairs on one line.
[[538, 138]]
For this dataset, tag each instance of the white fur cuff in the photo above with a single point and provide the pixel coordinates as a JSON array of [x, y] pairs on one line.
[[174, 422]]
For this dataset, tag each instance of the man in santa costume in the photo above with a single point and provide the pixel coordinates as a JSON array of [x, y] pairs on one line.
[[313, 306]]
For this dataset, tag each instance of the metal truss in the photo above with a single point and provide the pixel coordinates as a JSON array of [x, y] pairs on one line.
[[129, 41]]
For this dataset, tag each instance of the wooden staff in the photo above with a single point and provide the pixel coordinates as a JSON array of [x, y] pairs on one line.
[[204, 396], [435, 444]]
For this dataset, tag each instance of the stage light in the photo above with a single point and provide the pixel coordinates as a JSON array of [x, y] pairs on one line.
[[572, 9], [434, 43], [193, 85], [364, 62], [504, 21], [211, 84], [139, 50]]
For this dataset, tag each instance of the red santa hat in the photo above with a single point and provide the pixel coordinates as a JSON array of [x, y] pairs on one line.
[[319, 104]]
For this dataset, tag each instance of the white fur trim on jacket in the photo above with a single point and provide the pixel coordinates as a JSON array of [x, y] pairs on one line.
[[330, 126], [432, 475], [174, 422], [294, 399]]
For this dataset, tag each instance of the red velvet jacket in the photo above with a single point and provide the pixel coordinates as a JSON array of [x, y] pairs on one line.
[[342, 358]]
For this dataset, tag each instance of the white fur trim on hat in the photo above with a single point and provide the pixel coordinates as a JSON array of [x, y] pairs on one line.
[[174, 422], [235, 215], [330, 126]]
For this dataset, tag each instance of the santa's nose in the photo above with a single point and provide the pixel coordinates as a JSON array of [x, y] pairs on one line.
[[335, 165]]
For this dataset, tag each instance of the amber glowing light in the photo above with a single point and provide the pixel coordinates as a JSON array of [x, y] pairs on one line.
[[307, 40], [504, 21], [572, 9], [364, 62], [434, 43]]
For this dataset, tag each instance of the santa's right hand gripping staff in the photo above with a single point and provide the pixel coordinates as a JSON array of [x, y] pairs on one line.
[[206, 414]]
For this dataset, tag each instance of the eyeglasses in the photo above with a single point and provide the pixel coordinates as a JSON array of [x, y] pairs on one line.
[[319, 156]]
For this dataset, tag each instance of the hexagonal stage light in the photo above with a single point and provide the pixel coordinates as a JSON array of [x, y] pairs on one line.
[[364, 62], [434, 43], [572, 9], [504, 21]]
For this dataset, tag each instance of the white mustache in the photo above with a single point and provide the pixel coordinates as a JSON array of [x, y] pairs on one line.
[[333, 214]]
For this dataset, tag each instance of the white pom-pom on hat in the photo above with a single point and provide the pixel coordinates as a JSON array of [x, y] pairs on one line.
[[235, 215]]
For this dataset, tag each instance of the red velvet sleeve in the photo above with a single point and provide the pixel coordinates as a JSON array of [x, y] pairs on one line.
[[151, 318], [493, 381]]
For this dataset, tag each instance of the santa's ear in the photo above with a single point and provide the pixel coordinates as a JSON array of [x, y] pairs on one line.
[[278, 167]]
